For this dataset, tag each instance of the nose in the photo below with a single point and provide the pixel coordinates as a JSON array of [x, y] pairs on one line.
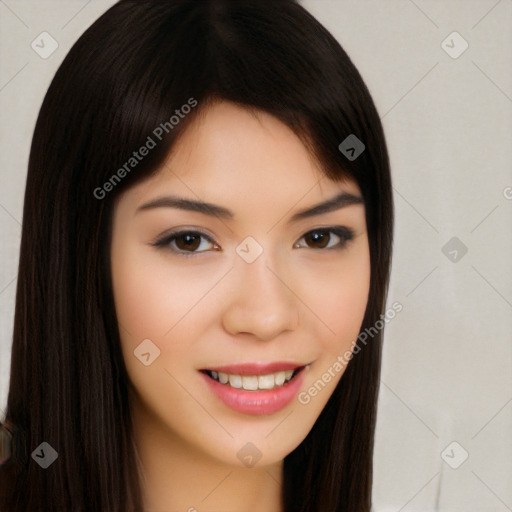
[[261, 301]]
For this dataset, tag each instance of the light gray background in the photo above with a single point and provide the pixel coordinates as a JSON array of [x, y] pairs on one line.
[[447, 369]]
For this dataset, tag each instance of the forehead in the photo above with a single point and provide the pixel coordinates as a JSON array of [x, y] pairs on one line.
[[234, 155]]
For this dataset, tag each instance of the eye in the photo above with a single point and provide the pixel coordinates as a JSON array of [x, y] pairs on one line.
[[188, 243], [321, 238], [183, 242]]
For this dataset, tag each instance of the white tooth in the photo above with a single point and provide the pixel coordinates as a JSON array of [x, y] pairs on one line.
[[235, 381], [266, 381], [223, 378], [288, 374], [250, 382], [214, 374], [279, 378]]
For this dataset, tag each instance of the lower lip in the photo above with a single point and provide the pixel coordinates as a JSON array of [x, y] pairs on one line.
[[256, 402]]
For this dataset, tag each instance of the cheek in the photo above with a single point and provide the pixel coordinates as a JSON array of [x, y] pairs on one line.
[[143, 309], [341, 304], [339, 298], [140, 305], [352, 300], [152, 297], [156, 301], [149, 306]]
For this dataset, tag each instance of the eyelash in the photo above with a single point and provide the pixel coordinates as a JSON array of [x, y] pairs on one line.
[[345, 234]]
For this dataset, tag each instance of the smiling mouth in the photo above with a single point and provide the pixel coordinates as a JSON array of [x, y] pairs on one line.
[[268, 381]]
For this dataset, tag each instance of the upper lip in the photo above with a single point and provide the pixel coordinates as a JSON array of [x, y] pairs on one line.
[[256, 368]]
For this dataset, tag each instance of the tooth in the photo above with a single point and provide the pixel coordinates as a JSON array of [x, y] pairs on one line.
[[253, 382], [266, 381], [235, 381], [279, 378], [250, 382]]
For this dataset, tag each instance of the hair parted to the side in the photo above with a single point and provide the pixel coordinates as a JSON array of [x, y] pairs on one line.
[[128, 73]]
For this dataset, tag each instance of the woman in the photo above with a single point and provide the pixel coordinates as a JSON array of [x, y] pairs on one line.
[[207, 228]]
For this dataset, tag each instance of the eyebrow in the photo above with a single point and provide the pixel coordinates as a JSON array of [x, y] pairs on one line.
[[335, 203]]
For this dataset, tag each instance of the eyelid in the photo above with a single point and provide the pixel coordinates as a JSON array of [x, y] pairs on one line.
[[345, 233]]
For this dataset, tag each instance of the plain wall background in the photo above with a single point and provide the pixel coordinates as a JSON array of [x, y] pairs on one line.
[[447, 367]]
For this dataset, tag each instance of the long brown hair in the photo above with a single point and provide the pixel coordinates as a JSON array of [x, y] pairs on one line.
[[124, 77]]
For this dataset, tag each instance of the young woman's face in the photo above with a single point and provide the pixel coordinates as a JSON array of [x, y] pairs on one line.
[[248, 295]]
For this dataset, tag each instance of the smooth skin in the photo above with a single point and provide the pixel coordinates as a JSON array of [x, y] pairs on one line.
[[302, 300]]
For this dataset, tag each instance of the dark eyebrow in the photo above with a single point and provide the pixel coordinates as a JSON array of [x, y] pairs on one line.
[[213, 210], [188, 204], [331, 205]]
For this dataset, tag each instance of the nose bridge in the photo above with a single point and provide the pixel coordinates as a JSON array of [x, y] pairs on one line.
[[261, 302]]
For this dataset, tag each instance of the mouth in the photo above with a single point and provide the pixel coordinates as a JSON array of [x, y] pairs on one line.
[[256, 388], [254, 382]]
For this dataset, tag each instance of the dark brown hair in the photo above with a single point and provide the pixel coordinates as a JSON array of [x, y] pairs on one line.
[[127, 74]]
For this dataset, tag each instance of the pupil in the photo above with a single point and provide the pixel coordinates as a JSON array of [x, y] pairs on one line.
[[318, 237], [190, 241]]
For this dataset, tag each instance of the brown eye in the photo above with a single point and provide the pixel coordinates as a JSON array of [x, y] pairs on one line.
[[318, 239], [330, 238], [187, 243]]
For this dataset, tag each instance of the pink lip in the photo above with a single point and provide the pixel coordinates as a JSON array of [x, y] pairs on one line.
[[256, 402], [256, 368]]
